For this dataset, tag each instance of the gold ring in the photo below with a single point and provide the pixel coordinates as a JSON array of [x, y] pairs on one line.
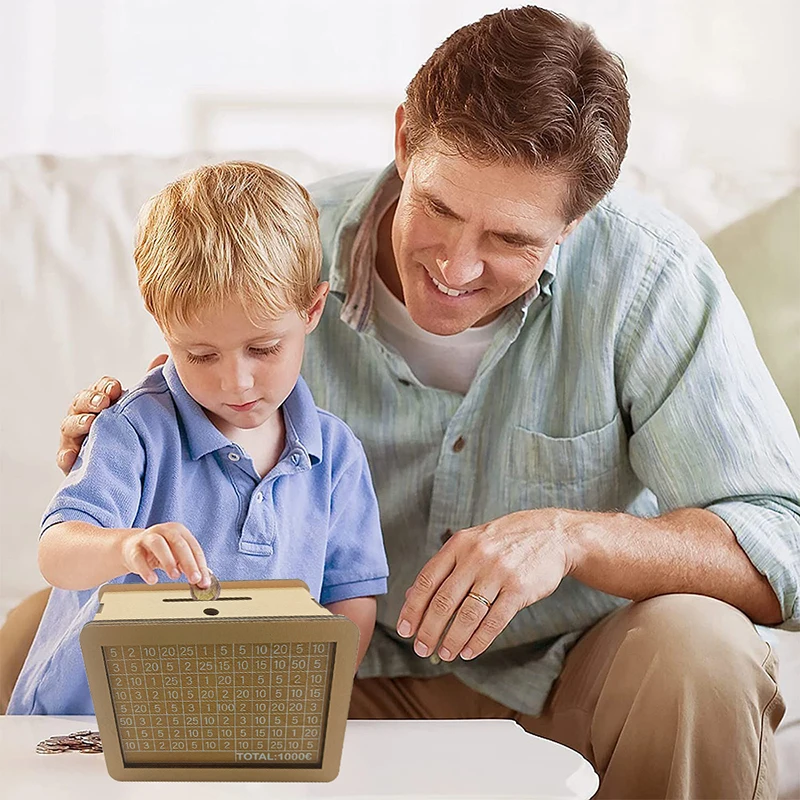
[[480, 598]]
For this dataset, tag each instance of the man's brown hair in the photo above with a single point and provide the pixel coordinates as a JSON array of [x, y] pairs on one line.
[[526, 86]]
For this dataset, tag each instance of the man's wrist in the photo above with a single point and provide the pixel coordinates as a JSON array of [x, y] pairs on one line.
[[585, 536]]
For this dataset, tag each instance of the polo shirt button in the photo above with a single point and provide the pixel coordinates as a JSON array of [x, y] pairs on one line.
[[259, 497], [459, 444], [233, 456]]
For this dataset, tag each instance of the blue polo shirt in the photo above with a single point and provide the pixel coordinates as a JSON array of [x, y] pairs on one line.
[[155, 457]]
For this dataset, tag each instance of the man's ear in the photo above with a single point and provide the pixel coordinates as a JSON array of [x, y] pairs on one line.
[[314, 312], [568, 230], [400, 142]]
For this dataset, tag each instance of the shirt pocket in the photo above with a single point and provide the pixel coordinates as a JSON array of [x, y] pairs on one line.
[[590, 471]]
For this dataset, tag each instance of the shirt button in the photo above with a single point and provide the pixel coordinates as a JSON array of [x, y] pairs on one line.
[[446, 535], [295, 458], [259, 497], [233, 456], [459, 444]]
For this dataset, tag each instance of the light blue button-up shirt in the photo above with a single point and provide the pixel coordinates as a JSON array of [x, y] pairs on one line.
[[155, 457], [627, 380]]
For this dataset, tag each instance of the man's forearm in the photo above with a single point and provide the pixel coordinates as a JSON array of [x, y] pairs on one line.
[[689, 551]]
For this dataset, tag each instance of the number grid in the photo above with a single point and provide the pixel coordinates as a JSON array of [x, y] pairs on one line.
[[222, 703]]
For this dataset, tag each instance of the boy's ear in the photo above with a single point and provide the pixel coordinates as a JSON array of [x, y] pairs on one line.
[[314, 311]]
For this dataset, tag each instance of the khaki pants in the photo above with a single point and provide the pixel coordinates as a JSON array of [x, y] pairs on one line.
[[670, 697]]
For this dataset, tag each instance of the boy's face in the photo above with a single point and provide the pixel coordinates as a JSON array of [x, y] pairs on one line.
[[241, 373]]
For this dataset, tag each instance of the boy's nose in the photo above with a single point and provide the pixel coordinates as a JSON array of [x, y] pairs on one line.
[[237, 379]]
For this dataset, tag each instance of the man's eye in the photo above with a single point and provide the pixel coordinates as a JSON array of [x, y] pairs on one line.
[[193, 359], [437, 211]]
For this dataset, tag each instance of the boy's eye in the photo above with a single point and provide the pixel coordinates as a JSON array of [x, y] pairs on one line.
[[266, 351], [257, 351], [193, 359]]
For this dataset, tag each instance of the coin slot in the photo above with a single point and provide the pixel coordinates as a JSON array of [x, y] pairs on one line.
[[192, 600], [212, 612]]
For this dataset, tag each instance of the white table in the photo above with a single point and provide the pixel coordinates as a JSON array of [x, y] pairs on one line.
[[439, 760]]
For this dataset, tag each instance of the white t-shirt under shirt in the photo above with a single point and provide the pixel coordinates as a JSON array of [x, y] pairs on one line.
[[444, 362]]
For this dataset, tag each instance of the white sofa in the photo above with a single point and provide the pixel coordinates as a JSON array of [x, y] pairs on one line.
[[71, 313]]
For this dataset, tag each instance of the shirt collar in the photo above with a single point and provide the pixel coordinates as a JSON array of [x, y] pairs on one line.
[[356, 242], [303, 431], [344, 275]]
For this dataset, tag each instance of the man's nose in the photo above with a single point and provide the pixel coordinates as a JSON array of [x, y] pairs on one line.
[[461, 266], [459, 273]]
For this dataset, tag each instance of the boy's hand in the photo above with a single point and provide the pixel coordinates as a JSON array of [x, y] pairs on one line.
[[85, 406], [168, 546]]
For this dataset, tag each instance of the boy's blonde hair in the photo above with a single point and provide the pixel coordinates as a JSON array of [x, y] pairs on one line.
[[232, 231]]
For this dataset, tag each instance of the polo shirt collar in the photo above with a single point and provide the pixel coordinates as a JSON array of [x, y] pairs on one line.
[[303, 431]]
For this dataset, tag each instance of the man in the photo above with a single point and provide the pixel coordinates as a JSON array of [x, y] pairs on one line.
[[564, 410]]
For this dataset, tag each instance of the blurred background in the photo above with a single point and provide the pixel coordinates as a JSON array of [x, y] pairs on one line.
[[714, 85]]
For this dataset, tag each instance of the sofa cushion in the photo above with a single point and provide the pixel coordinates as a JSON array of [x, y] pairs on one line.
[[761, 258]]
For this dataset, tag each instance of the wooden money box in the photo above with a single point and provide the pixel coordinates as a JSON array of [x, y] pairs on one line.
[[253, 686]]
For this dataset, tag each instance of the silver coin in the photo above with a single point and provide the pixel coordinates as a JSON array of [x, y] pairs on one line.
[[212, 593]]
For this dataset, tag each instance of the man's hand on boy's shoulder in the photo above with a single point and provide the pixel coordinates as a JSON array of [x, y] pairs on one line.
[[85, 406]]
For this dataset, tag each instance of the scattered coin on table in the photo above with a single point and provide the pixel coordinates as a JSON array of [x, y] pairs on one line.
[[78, 742]]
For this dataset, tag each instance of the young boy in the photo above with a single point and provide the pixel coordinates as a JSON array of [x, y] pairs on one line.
[[220, 457]]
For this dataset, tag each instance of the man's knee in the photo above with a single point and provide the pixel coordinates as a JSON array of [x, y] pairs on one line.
[[697, 641]]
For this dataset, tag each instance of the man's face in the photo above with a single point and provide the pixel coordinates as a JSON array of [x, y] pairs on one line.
[[241, 373], [469, 239]]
